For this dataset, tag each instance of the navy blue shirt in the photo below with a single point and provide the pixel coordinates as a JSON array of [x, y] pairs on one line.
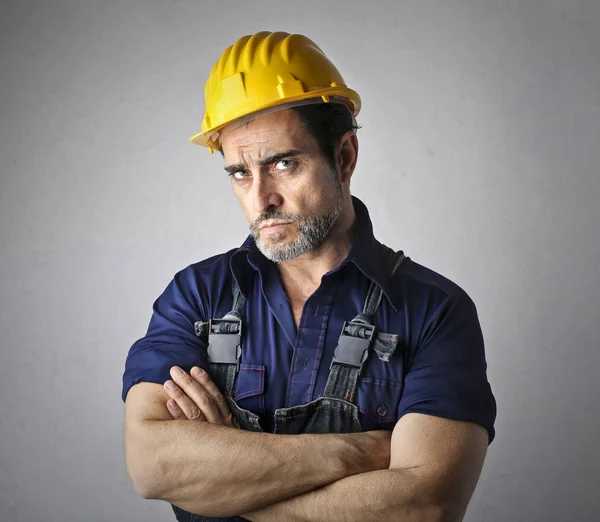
[[438, 369]]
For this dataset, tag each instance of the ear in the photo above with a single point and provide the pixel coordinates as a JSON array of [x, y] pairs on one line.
[[347, 155]]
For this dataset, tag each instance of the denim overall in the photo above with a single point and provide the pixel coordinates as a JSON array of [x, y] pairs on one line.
[[335, 411]]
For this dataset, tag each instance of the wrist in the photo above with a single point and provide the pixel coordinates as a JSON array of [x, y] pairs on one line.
[[370, 451]]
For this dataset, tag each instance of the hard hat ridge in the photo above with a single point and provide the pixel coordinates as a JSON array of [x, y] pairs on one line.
[[265, 70]]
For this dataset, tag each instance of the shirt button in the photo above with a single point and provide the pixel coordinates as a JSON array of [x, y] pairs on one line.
[[382, 410]]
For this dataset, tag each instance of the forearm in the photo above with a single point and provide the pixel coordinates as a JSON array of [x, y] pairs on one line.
[[393, 494], [219, 471]]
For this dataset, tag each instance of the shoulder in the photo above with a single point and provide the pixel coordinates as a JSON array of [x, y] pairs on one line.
[[426, 279], [209, 266], [202, 284], [206, 272], [417, 283], [430, 302]]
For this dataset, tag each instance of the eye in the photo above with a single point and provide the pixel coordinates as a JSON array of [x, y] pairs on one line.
[[284, 164], [239, 175]]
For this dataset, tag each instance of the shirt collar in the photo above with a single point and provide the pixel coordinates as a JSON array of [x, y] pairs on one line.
[[370, 256]]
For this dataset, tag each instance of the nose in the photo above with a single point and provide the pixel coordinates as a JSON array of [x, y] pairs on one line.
[[265, 195]]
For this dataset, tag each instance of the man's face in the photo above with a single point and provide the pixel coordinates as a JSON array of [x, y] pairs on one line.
[[289, 193]]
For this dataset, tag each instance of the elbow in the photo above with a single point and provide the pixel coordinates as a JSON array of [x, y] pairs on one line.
[[143, 490], [438, 512], [143, 467], [143, 479]]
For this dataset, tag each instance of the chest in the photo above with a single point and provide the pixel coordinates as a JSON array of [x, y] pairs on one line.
[[288, 348], [292, 333]]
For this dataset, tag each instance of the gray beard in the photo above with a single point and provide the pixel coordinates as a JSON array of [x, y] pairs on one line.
[[312, 231]]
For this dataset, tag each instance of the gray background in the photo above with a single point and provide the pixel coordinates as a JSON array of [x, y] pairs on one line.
[[479, 157]]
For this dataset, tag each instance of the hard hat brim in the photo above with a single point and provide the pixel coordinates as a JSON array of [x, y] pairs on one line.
[[209, 137]]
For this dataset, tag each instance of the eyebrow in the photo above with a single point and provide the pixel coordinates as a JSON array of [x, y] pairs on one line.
[[269, 160]]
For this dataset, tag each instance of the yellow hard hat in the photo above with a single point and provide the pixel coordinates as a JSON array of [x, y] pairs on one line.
[[267, 70]]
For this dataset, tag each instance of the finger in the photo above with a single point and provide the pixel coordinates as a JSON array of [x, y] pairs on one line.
[[198, 394], [189, 408], [175, 411], [204, 379]]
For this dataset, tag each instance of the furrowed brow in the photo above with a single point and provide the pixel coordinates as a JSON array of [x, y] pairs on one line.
[[269, 160], [230, 169]]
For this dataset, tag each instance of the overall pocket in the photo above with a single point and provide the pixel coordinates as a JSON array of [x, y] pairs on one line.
[[250, 388], [323, 415], [248, 404]]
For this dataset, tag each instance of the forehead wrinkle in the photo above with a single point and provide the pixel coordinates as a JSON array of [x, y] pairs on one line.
[[264, 137], [245, 155], [256, 152]]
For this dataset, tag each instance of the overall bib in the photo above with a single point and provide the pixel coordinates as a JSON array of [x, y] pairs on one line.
[[335, 411]]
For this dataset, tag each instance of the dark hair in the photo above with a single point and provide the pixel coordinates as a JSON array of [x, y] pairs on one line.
[[326, 123]]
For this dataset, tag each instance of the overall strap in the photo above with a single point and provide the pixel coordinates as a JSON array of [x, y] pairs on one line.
[[355, 343], [225, 343]]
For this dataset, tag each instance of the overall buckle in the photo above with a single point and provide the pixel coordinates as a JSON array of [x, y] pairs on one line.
[[351, 350], [224, 348]]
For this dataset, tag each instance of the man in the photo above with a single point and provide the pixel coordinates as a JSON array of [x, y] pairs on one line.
[[313, 373]]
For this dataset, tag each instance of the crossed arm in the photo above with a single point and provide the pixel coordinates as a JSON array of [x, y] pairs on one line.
[[426, 471]]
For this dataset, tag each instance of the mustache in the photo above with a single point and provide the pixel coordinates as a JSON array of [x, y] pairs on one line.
[[274, 216]]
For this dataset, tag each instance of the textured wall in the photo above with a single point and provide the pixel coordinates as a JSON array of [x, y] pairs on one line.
[[479, 157]]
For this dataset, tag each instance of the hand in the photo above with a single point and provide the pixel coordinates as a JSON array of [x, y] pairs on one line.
[[196, 397]]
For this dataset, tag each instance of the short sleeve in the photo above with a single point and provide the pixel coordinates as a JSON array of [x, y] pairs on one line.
[[170, 339], [447, 376]]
